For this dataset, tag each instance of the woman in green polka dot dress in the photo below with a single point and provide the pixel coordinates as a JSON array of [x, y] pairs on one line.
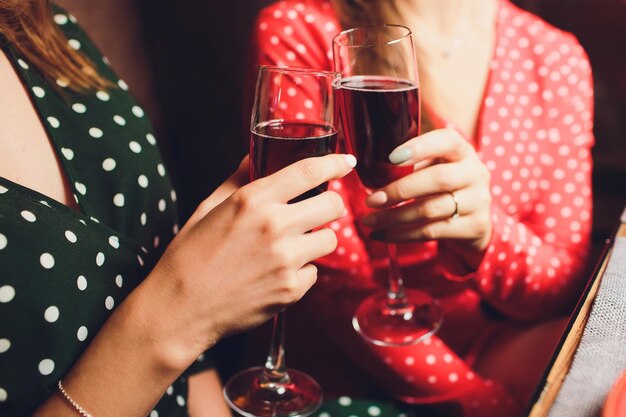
[[105, 308]]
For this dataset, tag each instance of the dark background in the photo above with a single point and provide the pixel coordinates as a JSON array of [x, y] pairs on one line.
[[200, 50]]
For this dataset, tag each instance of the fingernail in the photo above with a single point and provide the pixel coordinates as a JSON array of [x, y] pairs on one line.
[[377, 199], [351, 160], [400, 155], [369, 220], [377, 235]]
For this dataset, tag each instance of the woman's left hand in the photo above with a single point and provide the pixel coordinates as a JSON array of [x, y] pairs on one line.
[[446, 197]]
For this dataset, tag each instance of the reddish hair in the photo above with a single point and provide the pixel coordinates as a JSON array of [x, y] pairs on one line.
[[28, 26]]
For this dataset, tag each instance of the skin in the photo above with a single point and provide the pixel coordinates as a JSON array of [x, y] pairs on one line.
[[443, 160], [226, 271]]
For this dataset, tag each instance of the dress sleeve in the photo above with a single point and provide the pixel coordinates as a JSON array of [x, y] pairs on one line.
[[532, 267]]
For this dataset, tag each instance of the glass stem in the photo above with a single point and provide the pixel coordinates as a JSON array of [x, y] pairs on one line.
[[396, 297], [275, 370]]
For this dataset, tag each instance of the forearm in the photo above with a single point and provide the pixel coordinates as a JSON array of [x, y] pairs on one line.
[[205, 396], [129, 364]]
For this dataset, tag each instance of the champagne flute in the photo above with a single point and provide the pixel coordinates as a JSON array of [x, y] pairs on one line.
[[379, 105], [284, 130]]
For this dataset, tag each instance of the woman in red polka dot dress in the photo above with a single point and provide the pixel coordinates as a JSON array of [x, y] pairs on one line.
[[507, 103]]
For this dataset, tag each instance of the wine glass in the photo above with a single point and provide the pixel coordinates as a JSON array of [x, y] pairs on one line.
[[284, 129], [379, 105]]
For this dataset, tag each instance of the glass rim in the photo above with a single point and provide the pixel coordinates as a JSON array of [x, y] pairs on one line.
[[285, 69], [336, 42]]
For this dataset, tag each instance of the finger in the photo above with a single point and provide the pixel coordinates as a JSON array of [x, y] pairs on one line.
[[435, 179], [464, 228], [308, 276], [237, 180], [314, 212], [304, 175], [447, 144], [310, 246], [436, 207]]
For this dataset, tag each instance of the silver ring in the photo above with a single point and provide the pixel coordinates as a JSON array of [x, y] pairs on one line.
[[456, 214]]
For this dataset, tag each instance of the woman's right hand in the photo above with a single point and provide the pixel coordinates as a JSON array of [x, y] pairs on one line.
[[241, 260]]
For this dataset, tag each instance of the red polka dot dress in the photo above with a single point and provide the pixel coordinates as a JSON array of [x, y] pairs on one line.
[[534, 135]]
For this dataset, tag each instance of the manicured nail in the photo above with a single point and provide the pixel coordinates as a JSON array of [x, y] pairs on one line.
[[369, 220], [377, 235], [377, 199], [351, 160], [400, 155]]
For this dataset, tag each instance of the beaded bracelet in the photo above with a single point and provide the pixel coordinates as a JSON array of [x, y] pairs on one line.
[[69, 399]]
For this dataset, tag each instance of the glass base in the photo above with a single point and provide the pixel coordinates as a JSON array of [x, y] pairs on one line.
[[382, 324], [249, 396]]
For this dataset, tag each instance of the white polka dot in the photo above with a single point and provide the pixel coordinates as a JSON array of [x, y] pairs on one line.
[[119, 281], [22, 63], [329, 27], [51, 314], [3, 395], [122, 84], [155, 242], [134, 146], [137, 111], [70, 236], [46, 260], [143, 219], [162, 205], [81, 283], [103, 95], [60, 19], [7, 293], [274, 40], [100, 259], [119, 120], [345, 401], [301, 48], [5, 344], [431, 359], [291, 56], [161, 170], [288, 30], [81, 333], [173, 195], [151, 139], [114, 241], [109, 164], [67, 153], [180, 400], [95, 132], [3, 241], [142, 180], [309, 18], [373, 411], [62, 82], [109, 303], [39, 92], [81, 188], [118, 200], [154, 413], [46, 367], [453, 377], [324, 414], [432, 379], [53, 121], [169, 390], [447, 358], [74, 44]]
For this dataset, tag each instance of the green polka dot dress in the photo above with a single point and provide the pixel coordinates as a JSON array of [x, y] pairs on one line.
[[63, 272]]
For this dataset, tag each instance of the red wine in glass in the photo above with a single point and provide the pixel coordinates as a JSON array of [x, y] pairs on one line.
[[277, 144], [378, 114]]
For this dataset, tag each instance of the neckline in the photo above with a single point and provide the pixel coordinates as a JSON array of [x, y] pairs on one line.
[[440, 122]]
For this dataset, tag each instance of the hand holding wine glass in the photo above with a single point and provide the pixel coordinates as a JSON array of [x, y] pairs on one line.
[[378, 98], [447, 197], [281, 135]]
